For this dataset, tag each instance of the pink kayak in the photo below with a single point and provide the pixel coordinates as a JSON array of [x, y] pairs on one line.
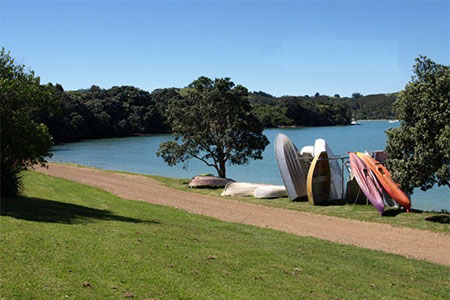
[[367, 182]]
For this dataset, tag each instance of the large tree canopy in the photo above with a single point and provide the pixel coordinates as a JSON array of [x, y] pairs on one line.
[[419, 150], [24, 140], [214, 124]]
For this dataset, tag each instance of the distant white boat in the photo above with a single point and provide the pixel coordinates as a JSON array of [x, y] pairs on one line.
[[354, 122], [393, 121]]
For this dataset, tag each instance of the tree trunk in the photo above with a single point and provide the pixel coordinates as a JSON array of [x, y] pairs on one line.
[[222, 169]]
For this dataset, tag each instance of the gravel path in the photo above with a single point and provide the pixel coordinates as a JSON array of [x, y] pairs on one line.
[[413, 243]]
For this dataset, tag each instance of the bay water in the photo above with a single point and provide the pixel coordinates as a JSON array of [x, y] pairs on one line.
[[138, 155]]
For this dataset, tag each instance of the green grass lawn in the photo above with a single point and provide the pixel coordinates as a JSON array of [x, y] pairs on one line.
[[415, 219], [61, 234]]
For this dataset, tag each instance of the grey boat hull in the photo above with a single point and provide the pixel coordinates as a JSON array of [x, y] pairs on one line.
[[292, 168]]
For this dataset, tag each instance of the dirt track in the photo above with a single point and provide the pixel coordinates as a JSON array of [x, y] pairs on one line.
[[412, 243]]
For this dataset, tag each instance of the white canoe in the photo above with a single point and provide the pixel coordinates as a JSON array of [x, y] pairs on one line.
[[270, 191], [241, 188], [337, 189], [292, 167]]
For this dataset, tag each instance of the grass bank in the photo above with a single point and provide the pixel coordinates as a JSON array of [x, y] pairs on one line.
[[64, 240], [416, 219]]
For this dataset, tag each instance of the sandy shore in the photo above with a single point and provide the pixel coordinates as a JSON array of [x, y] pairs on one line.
[[412, 243]]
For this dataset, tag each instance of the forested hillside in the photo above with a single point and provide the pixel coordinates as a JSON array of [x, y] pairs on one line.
[[127, 110], [376, 106]]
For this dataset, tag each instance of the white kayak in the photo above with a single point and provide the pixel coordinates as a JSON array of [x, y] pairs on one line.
[[337, 189], [270, 191], [241, 188], [293, 167]]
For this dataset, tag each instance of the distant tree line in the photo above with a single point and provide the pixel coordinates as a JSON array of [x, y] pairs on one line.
[[103, 113], [321, 110], [127, 110]]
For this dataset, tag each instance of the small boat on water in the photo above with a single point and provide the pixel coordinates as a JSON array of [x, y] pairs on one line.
[[367, 182], [393, 121], [293, 167], [318, 183], [384, 177]]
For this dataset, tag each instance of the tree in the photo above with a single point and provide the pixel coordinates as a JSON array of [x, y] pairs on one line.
[[316, 95], [213, 124], [356, 95], [419, 150], [24, 140], [337, 96]]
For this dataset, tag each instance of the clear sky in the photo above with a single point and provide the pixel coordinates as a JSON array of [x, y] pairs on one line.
[[280, 47]]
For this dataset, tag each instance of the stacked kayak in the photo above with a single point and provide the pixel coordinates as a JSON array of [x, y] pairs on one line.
[[367, 182], [375, 181], [384, 177]]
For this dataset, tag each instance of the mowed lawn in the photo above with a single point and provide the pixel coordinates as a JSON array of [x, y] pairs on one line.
[[64, 240]]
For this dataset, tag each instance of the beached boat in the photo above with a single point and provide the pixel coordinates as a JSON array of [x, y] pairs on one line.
[[318, 182], [293, 167], [367, 182], [270, 191], [337, 182], [208, 181], [241, 188], [384, 177]]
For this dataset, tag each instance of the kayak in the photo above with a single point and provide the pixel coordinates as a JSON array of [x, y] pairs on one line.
[[318, 183], [367, 182], [384, 177], [293, 167]]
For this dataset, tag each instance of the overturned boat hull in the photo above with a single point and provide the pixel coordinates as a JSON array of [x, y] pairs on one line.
[[292, 167]]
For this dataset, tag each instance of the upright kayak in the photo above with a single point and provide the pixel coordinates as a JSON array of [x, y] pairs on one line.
[[367, 182], [384, 177], [293, 167]]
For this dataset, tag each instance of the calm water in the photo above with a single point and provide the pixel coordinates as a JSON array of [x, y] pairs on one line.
[[137, 154]]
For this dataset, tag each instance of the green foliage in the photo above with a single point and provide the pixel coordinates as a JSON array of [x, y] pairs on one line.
[[213, 123], [24, 140], [101, 113], [272, 115], [304, 113], [356, 95], [419, 150]]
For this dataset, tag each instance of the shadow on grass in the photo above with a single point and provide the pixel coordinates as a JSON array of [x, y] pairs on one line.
[[43, 210], [443, 219]]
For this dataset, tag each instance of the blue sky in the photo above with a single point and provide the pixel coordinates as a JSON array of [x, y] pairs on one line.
[[280, 47]]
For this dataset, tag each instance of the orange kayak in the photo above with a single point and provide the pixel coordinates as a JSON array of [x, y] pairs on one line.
[[384, 177]]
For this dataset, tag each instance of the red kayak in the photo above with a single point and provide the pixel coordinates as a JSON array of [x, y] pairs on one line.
[[384, 177], [367, 182]]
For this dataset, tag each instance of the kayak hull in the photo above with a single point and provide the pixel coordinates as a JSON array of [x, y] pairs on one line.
[[366, 181], [384, 177]]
